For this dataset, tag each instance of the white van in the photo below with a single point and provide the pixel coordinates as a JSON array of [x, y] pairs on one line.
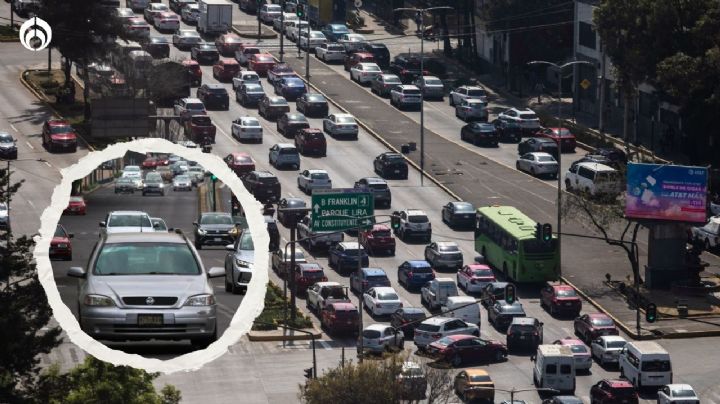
[[593, 178], [470, 313], [645, 363], [554, 368]]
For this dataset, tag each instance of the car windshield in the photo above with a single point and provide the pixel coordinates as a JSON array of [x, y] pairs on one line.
[[566, 293], [4, 138], [512, 309], [524, 328], [255, 88], [250, 122], [483, 272], [245, 242], [182, 178], [59, 232], [201, 120], [294, 83], [295, 203], [602, 322], [546, 159], [418, 219], [527, 115], [216, 219], [217, 90], [334, 47], [146, 259], [578, 349], [391, 80], [278, 101], [345, 119], [607, 176], [387, 296], [195, 106], [339, 29], [480, 378], [682, 393], [371, 68], [319, 176], [448, 248], [60, 129], [477, 93], [125, 180], [128, 220], [464, 207], [428, 327], [656, 366], [316, 35], [371, 334], [250, 77], [288, 150]]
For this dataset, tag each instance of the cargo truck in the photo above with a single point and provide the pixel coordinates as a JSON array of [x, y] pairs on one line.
[[321, 12], [215, 17]]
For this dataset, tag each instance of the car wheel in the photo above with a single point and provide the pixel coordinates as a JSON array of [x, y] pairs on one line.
[[499, 356], [198, 245], [228, 285], [204, 342], [456, 361]]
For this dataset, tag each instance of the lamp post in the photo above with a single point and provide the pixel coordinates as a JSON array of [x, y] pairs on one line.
[[421, 13], [559, 144]]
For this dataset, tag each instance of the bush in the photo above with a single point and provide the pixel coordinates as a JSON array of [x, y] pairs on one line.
[[274, 311]]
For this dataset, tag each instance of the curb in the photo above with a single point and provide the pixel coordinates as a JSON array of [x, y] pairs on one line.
[[274, 335], [271, 35], [366, 31]]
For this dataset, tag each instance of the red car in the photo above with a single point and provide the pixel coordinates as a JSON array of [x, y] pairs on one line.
[[261, 63], [613, 391], [57, 134], [227, 44], [241, 163], [60, 246], [307, 275], [311, 141], [474, 277], [150, 163], [357, 57], [563, 135], [193, 68], [462, 349], [560, 299], [225, 69], [76, 206], [379, 238], [340, 317], [200, 129], [591, 326], [163, 160]]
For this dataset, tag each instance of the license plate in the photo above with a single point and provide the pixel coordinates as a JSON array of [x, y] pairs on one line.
[[397, 171], [150, 319], [568, 304], [218, 238]]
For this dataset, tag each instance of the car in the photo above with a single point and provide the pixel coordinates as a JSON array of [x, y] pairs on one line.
[[434, 328], [458, 350], [380, 52], [407, 319], [311, 141], [8, 146], [283, 155], [201, 129], [561, 135], [344, 256], [594, 325], [279, 71], [263, 185], [136, 28], [205, 53], [225, 69], [125, 185], [247, 129], [413, 223], [59, 135], [378, 239], [187, 107], [560, 299], [405, 95], [459, 215], [321, 294], [166, 21], [612, 153], [261, 63], [379, 338], [239, 262], [214, 96], [273, 107], [479, 134], [366, 278], [581, 353], [312, 105], [60, 245], [340, 318], [245, 53], [341, 125], [194, 72], [501, 314], [330, 52], [431, 87], [384, 83], [413, 274], [153, 185], [157, 46], [391, 165], [250, 94], [154, 9], [538, 145], [563, 400], [76, 206], [474, 277], [196, 174], [677, 393], [474, 110], [287, 219], [467, 93], [290, 123], [245, 77], [165, 173], [524, 332], [228, 43], [364, 73], [269, 12], [316, 38], [163, 264], [599, 159], [595, 180], [126, 221], [182, 183], [619, 391], [150, 163], [308, 180], [307, 274], [381, 301], [190, 14], [444, 255], [333, 31], [407, 67], [185, 39], [290, 87], [538, 164], [212, 228], [382, 196], [508, 131], [474, 385], [281, 260], [132, 171], [280, 23], [606, 349], [352, 59], [352, 42], [526, 118]]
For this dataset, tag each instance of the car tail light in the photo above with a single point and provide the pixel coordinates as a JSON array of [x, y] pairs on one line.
[[324, 278]]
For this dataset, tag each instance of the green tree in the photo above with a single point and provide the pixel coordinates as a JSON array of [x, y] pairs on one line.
[[25, 311]]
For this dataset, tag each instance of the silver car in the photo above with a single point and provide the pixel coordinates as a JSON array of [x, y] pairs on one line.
[[127, 221], [606, 348], [378, 338], [431, 87], [238, 263], [186, 38], [341, 125], [283, 155], [147, 286], [182, 183], [538, 163]]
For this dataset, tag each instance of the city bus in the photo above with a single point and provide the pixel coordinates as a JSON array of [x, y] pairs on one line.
[[506, 238]]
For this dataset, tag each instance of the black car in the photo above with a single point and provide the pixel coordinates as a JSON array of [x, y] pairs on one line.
[[406, 67], [379, 51], [459, 215], [273, 107], [8, 146], [313, 105], [407, 319], [249, 94], [291, 122], [479, 133], [178, 5], [538, 144], [391, 165], [287, 218], [501, 314], [508, 131], [263, 185], [205, 53], [612, 153], [492, 292], [214, 96], [379, 189], [213, 228], [526, 332], [157, 46]]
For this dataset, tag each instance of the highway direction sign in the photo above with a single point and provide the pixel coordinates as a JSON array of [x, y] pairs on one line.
[[334, 209]]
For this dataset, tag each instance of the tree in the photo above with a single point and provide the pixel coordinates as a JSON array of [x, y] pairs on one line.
[[100, 382], [25, 312]]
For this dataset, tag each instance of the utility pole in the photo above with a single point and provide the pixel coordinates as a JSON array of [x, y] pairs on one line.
[[307, 50], [362, 298], [290, 273], [282, 31]]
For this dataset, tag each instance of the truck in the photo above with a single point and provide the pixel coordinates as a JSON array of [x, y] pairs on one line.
[[215, 17], [315, 239], [435, 293], [323, 293], [322, 12]]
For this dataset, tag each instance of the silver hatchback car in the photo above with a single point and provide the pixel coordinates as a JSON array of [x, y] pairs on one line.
[[142, 286]]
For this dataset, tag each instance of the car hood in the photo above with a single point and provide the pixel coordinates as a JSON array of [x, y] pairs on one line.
[[182, 286], [6, 145], [217, 226]]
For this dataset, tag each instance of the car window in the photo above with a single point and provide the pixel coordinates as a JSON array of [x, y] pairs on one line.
[[418, 219], [428, 327], [128, 220], [656, 366], [602, 322], [615, 344], [245, 242], [551, 369], [565, 369], [146, 259], [345, 119]]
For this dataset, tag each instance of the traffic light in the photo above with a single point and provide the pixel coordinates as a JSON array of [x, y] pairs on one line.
[[510, 293], [213, 177], [546, 232], [308, 373], [538, 232], [395, 221], [300, 10], [651, 313]]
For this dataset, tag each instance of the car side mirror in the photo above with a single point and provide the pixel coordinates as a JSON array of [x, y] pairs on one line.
[[216, 272], [103, 224], [195, 223], [71, 235], [76, 272], [230, 247]]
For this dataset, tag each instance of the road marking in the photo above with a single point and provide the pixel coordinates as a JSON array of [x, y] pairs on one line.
[[567, 330], [29, 145], [226, 135], [14, 128], [47, 164], [325, 345], [30, 203]]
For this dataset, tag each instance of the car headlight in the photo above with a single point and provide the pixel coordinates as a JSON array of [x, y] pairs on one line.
[[200, 300], [162, 185], [242, 263], [62, 245], [201, 232], [98, 300]]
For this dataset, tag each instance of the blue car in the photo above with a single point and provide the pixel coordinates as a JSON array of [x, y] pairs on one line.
[[291, 88], [368, 278], [344, 257], [333, 32], [415, 273]]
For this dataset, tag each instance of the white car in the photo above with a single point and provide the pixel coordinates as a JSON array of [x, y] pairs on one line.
[[190, 13], [166, 21], [287, 18], [525, 118], [244, 54], [317, 38], [182, 183], [127, 221], [677, 394], [269, 12], [245, 76], [435, 328], [313, 179], [379, 338], [467, 93], [293, 30], [132, 172], [341, 125], [247, 128], [538, 163], [405, 95], [381, 300], [364, 73], [709, 234], [330, 52], [186, 38], [187, 107], [352, 42], [606, 349], [152, 9]]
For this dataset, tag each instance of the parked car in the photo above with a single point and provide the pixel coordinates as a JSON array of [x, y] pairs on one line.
[[273, 107], [606, 349], [563, 136], [214, 96], [525, 332], [344, 256], [382, 300], [330, 52], [459, 350], [247, 129], [378, 238], [467, 93], [619, 391], [391, 165], [250, 94], [538, 145], [309, 180], [474, 277], [368, 278], [379, 338], [76, 206], [501, 314], [538, 164], [560, 299], [431, 87], [283, 155], [205, 53], [341, 125], [225, 69], [312, 105], [459, 215], [435, 328], [290, 123], [414, 274], [384, 83], [407, 319], [60, 245], [311, 141]]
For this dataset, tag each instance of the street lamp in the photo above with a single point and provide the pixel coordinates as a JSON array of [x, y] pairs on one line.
[[559, 143], [420, 12]]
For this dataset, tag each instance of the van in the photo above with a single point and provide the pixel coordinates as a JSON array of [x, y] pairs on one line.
[[470, 313], [554, 368], [645, 363], [138, 64], [593, 178]]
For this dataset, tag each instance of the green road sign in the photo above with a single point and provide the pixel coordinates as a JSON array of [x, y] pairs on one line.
[[330, 208]]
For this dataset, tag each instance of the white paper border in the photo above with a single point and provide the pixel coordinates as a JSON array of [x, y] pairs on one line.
[[252, 303]]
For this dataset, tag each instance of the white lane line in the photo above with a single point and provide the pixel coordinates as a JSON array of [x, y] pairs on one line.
[[226, 135], [325, 345], [47, 164], [29, 145], [14, 128], [30, 203]]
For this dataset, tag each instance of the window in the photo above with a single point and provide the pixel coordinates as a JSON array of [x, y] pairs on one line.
[[656, 366], [146, 259], [565, 369], [586, 173], [586, 35], [632, 359], [551, 369]]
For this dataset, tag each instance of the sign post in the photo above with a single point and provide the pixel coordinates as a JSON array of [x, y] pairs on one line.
[[334, 209]]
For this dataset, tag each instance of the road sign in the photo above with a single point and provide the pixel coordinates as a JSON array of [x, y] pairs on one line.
[[585, 84], [331, 208]]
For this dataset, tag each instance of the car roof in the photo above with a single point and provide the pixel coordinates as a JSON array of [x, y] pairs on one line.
[[363, 54], [310, 266], [328, 283], [316, 171], [477, 372], [541, 154], [373, 271], [409, 87], [446, 244], [419, 263], [344, 116], [479, 266], [523, 320], [374, 180], [624, 383], [57, 122], [190, 99], [381, 289], [596, 166], [145, 237], [437, 320], [458, 337], [129, 212], [285, 145], [343, 305], [410, 309], [350, 244], [416, 212], [295, 116], [377, 327], [264, 173], [215, 86], [612, 338], [570, 341]]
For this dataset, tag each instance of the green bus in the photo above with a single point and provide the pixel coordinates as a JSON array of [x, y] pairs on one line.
[[506, 238]]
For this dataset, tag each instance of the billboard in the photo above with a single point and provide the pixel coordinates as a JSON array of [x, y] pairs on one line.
[[666, 192]]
